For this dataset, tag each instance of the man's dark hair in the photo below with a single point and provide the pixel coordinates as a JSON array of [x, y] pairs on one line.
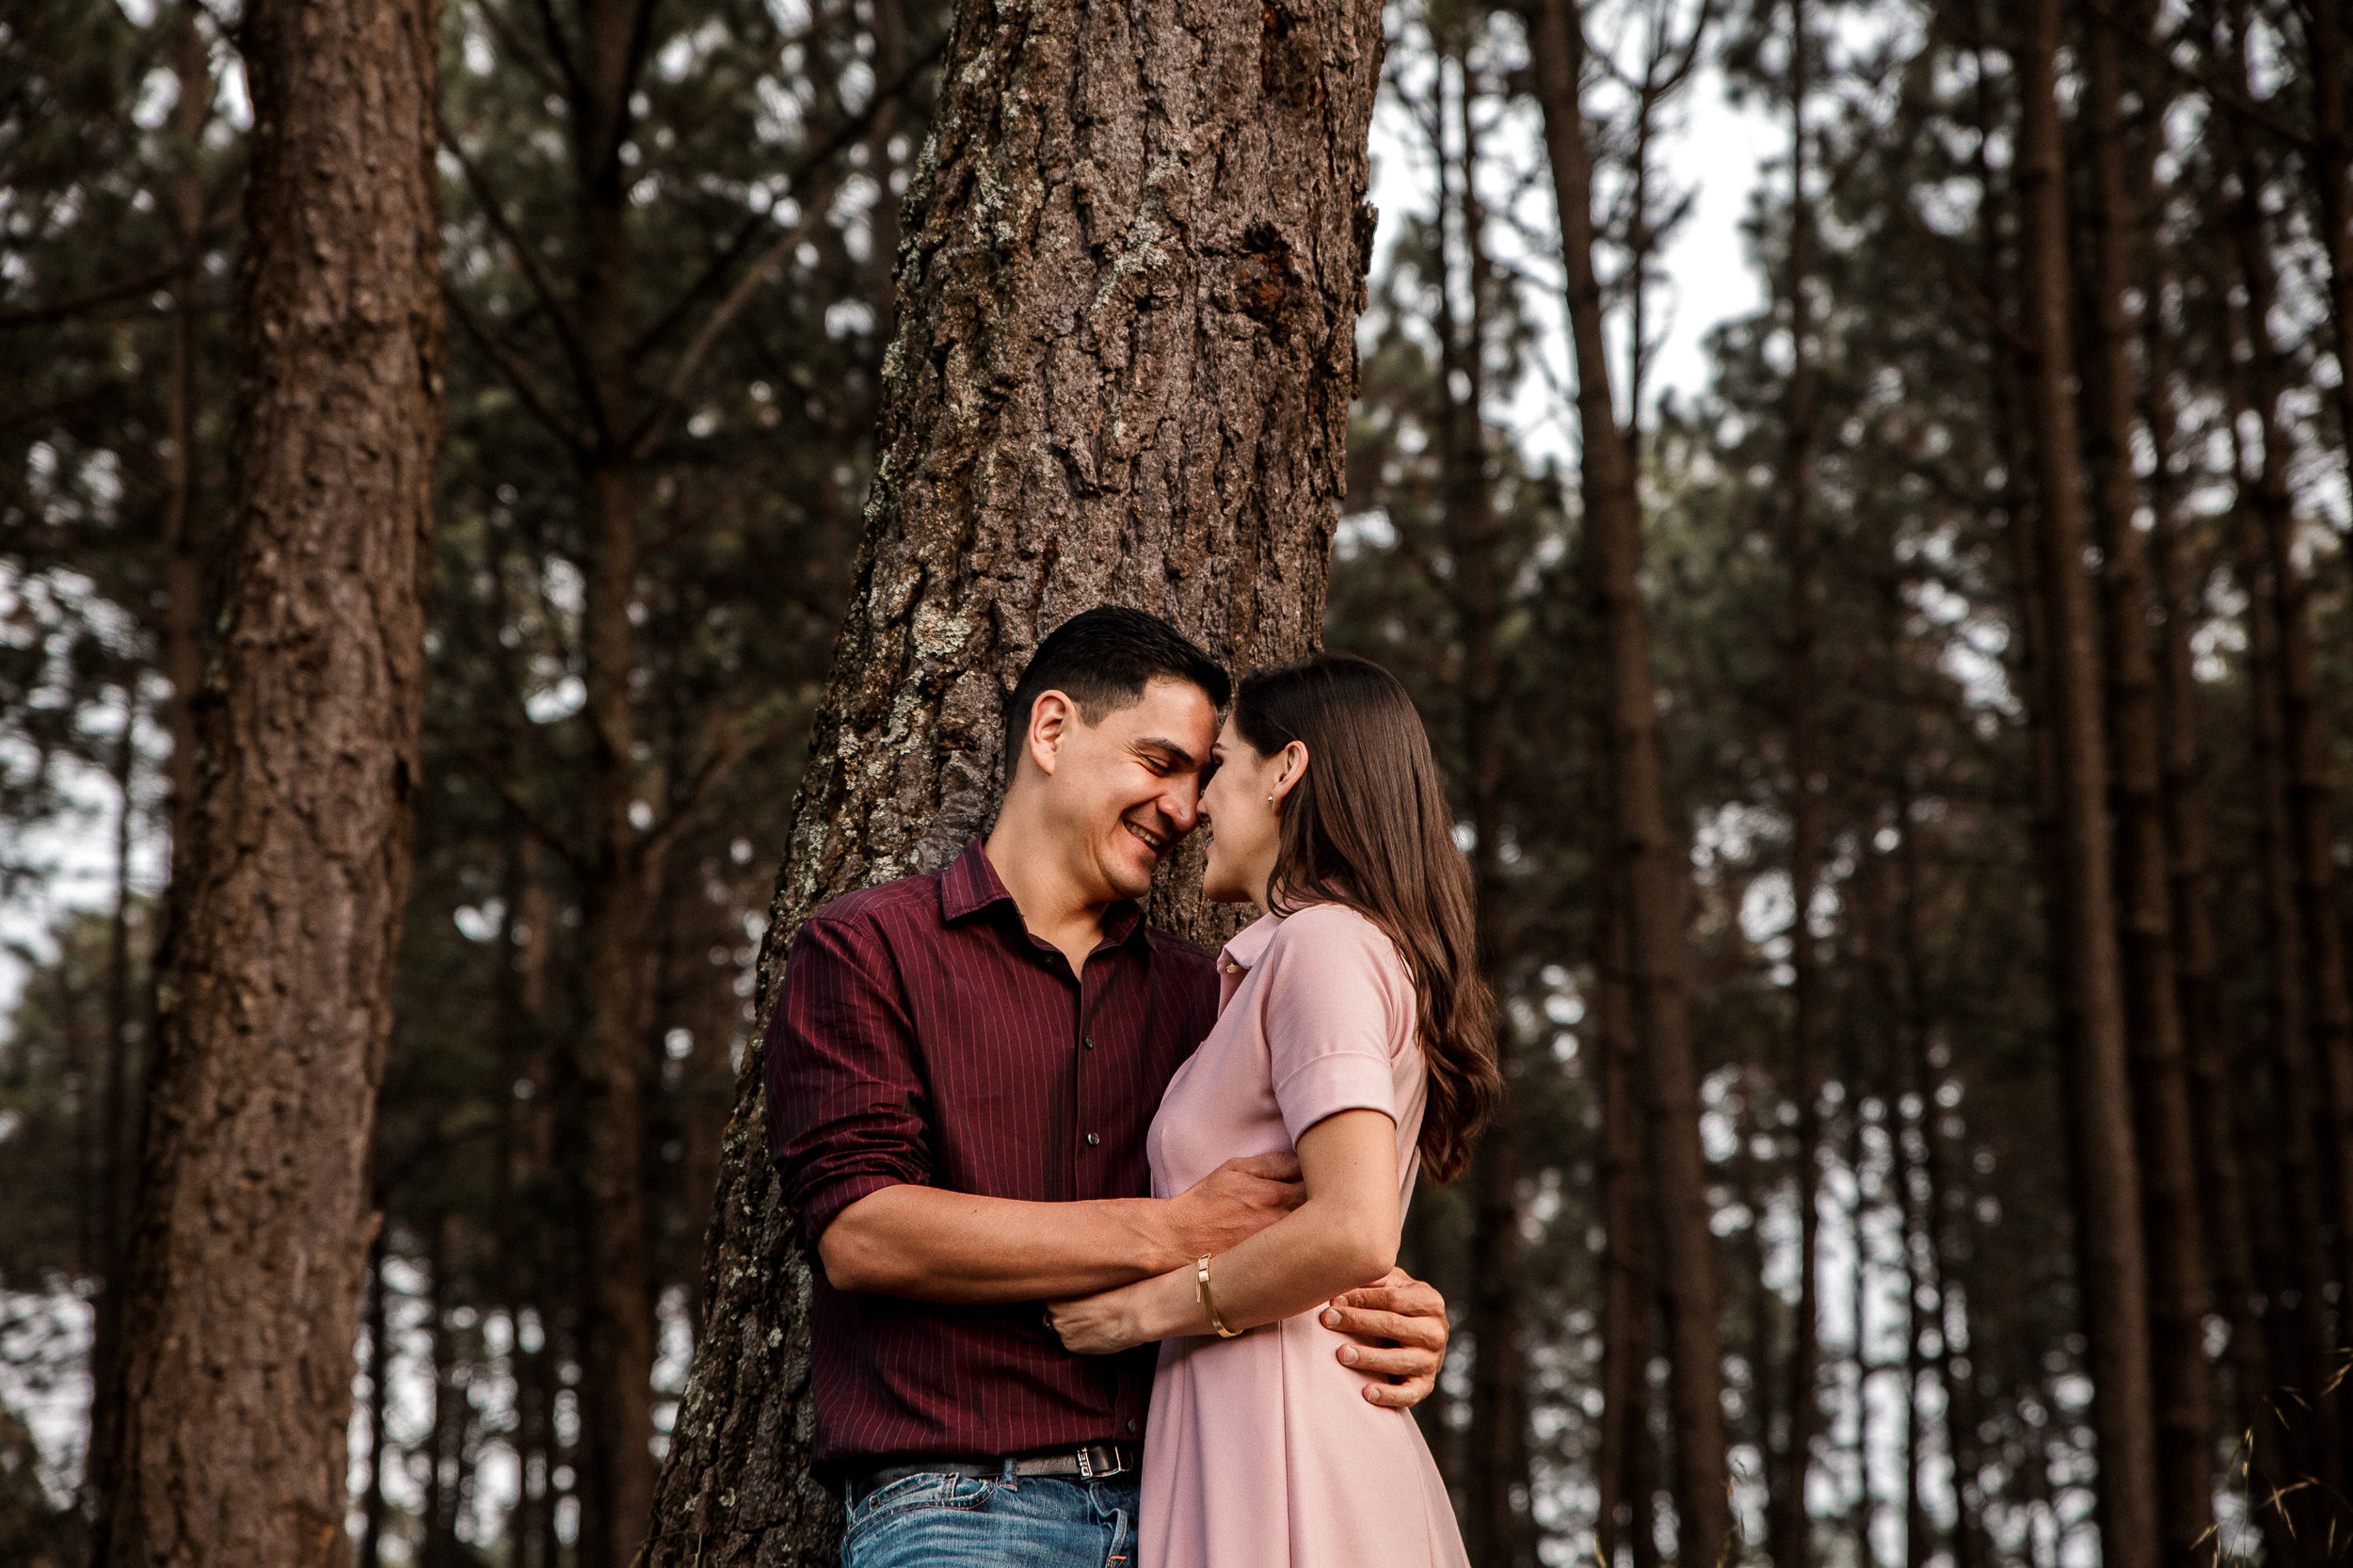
[[1102, 658]]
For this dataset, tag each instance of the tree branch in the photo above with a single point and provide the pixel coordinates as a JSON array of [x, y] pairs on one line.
[[2217, 90], [648, 432], [525, 262], [814, 158], [541, 68], [733, 748], [105, 294], [526, 813], [516, 373], [560, 51], [1958, 275]]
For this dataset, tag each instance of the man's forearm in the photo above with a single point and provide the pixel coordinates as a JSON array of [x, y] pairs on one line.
[[926, 1244]]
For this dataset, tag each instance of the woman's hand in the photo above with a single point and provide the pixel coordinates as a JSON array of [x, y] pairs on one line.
[[1101, 1325], [1110, 1321]]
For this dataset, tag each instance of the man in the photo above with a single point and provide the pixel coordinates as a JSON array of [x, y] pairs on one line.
[[961, 1070]]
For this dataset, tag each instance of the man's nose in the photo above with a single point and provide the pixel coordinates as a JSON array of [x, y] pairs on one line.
[[1181, 805]]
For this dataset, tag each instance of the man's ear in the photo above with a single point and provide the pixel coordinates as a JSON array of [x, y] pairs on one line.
[[1053, 717]]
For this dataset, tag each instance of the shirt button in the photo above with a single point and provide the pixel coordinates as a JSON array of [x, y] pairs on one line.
[[1132, 1426], [1088, 1042], [1093, 1138]]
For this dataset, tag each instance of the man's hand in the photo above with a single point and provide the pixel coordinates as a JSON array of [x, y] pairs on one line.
[[1232, 1204], [1401, 1324]]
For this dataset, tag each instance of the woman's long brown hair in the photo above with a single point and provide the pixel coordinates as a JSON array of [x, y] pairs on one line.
[[1369, 828]]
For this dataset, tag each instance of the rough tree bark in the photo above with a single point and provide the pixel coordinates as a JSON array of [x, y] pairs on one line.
[[1127, 298], [1645, 864], [2111, 1272], [2174, 1228], [253, 1221]]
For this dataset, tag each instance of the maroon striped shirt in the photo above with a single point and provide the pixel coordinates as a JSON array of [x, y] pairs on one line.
[[925, 1036]]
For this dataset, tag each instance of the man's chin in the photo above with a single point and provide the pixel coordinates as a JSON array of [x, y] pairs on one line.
[[1130, 879]]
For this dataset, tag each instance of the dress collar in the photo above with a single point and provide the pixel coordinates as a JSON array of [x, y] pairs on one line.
[[1249, 944]]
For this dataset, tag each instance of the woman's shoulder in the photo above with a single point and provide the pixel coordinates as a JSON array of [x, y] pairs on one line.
[[1335, 932]]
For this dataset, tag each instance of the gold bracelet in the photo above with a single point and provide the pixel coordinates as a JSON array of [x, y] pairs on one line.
[[1209, 1303]]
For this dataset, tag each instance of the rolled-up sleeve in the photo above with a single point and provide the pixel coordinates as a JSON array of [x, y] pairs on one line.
[[1340, 1008], [845, 1095]]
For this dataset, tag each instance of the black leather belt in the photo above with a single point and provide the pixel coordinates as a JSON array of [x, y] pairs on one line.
[[1093, 1461]]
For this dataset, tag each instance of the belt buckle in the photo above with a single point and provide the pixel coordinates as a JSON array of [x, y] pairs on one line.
[[1087, 1462]]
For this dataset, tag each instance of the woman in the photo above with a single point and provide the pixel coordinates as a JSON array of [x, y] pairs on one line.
[[1353, 1028]]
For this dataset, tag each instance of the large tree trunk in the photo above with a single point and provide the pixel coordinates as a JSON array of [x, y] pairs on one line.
[[2111, 1272], [253, 1222], [1128, 298], [1645, 864], [2174, 1228]]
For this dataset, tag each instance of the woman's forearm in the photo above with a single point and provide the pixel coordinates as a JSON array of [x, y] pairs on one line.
[[1344, 1236]]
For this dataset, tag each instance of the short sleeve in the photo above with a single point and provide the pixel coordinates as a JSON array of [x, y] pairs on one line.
[[846, 1098], [1338, 1007]]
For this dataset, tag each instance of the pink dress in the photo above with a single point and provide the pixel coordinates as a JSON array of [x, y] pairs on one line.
[[1262, 1451]]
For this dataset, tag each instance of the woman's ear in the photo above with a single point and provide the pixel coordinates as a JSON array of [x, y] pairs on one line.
[[1294, 768]]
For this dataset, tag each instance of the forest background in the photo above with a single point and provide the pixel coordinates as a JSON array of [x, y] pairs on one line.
[[1994, 584]]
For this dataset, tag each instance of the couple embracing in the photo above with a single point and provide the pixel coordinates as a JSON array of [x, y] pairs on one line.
[[976, 1076]]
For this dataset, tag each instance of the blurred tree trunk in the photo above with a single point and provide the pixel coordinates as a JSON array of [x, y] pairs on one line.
[[186, 606], [2173, 1226], [2111, 1272], [521, 1165], [2210, 1040], [110, 1144], [184, 615], [1644, 862], [1788, 1533], [380, 1368], [2286, 1159], [438, 1530], [2301, 1134], [2304, 727], [1499, 1527], [246, 1263], [1956, 1373], [1124, 359], [1621, 1480], [622, 869], [2332, 176]]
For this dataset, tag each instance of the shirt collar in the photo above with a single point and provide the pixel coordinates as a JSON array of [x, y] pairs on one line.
[[1250, 943], [970, 885]]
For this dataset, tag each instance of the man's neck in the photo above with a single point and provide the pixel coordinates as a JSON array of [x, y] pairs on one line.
[[1052, 904]]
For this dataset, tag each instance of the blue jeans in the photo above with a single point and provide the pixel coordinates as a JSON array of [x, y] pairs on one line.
[[942, 1521]]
